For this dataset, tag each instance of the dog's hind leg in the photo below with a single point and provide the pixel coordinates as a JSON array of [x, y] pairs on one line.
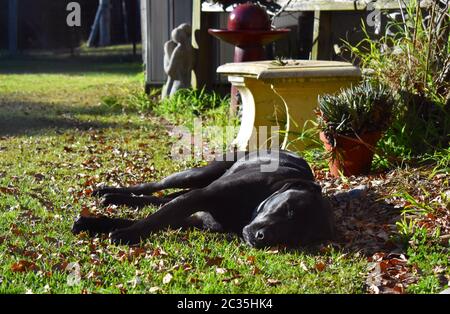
[[98, 225], [138, 201], [189, 179], [104, 225]]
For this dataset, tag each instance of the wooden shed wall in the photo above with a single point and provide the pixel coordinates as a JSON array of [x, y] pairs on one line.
[[162, 17], [167, 14]]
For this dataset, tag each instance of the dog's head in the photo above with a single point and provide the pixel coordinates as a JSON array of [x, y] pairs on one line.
[[296, 214]]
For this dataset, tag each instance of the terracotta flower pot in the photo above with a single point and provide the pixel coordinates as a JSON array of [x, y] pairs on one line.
[[351, 156]]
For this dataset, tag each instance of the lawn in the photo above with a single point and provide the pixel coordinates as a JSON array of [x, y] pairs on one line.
[[60, 138]]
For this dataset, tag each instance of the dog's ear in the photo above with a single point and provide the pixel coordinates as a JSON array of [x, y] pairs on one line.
[[302, 185], [314, 187]]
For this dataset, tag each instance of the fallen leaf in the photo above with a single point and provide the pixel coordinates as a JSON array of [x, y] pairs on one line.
[[235, 277], [68, 149], [39, 176], [167, 278], [273, 282], [320, 266], [15, 230], [214, 261], [137, 252], [251, 260], [303, 266], [154, 289], [136, 281], [23, 266], [61, 266], [158, 252], [6, 190], [85, 212], [194, 280]]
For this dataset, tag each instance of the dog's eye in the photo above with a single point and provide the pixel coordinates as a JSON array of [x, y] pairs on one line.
[[290, 213]]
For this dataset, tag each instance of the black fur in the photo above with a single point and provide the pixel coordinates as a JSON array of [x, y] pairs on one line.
[[285, 206]]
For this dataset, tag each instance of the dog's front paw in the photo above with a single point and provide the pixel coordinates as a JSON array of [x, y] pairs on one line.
[[83, 224], [113, 199], [127, 236], [91, 225]]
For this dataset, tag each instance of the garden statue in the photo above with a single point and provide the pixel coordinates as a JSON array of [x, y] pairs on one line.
[[178, 60]]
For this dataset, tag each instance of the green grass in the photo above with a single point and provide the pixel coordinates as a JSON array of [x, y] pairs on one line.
[[57, 141], [68, 125]]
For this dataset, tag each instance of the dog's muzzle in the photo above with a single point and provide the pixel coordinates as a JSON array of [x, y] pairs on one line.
[[256, 237]]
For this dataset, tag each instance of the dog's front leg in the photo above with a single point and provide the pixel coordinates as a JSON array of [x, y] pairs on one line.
[[172, 214], [141, 189]]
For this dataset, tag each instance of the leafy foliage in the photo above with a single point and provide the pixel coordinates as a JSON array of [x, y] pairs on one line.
[[356, 110], [412, 58], [193, 101]]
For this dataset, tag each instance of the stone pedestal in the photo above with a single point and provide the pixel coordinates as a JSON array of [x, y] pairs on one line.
[[284, 96]]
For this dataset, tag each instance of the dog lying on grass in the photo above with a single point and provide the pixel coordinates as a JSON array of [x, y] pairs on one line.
[[281, 207]]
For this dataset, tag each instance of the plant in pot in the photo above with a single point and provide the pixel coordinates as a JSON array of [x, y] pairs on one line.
[[351, 123]]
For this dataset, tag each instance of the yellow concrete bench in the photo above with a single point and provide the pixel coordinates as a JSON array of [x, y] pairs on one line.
[[283, 95]]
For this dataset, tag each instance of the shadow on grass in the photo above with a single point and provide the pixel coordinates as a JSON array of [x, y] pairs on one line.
[[26, 118], [66, 64], [364, 225]]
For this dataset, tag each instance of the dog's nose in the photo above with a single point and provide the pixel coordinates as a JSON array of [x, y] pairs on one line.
[[259, 235]]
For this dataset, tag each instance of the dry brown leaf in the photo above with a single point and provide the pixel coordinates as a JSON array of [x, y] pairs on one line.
[[214, 261], [136, 252], [85, 212], [320, 266], [6, 190], [194, 280], [23, 266], [251, 260]]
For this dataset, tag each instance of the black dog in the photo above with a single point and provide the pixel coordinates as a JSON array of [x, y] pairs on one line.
[[268, 208]]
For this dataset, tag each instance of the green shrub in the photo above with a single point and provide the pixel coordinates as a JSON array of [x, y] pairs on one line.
[[412, 58], [357, 110], [189, 104], [130, 100]]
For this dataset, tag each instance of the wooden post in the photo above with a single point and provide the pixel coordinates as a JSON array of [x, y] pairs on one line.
[[12, 26], [105, 23], [145, 12], [196, 25], [315, 43], [134, 8], [322, 48], [95, 25], [125, 21]]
